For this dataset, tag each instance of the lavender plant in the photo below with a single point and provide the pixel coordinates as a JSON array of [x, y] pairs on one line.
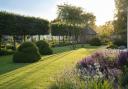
[[103, 65]]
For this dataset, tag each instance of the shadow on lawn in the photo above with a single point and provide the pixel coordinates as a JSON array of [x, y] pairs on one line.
[[6, 64]]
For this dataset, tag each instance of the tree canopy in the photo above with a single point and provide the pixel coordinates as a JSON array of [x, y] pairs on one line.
[[12, 24], [120, 23], [71, 20]]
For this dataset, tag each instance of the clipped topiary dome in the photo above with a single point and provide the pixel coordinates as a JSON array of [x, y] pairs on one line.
[[27, 53], [44, 48]]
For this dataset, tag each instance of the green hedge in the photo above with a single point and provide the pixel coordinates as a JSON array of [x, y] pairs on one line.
[[6, 52], [14, 24], [27, 53], [95, 41], [44, 48]]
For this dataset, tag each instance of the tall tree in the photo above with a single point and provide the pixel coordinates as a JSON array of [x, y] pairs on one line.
[[70, 15], [105, 31], [120, 23]]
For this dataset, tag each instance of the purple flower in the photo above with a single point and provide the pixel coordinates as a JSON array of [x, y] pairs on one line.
[[89, 60], [123, 58]]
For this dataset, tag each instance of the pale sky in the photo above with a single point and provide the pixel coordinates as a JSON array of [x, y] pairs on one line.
[[47, 9]]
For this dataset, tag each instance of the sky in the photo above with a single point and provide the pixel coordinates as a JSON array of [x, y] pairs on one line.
[[47, 9]]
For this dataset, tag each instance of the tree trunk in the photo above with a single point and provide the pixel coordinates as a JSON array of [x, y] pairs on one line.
[[14, 42], [0, 41], [39, 37], [24, 38], [32, 38], [59, 39], [63, 39]]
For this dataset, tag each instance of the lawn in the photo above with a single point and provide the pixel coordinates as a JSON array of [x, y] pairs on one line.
[[39, 75]]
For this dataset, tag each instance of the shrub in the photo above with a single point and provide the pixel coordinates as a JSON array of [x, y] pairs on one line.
[[44, 48], [112, 46], [6, 52], [123, 58], [95, 41], [119, 42], [68, 80], [26, 53], [10, 47], [124, 81], [71, 80]]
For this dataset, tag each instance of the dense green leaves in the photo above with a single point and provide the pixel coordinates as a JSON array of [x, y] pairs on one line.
[[12, 24], [44, 47], [70, 14], [120, 24], [70, 21], [58, 29], [27, 52]]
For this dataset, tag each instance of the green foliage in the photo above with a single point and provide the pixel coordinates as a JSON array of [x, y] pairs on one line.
[[70, 14], [105, 31], [124, 78], [93, 84], [27, 53], [119, 42], [120, 24], [67, 80], [4, 52], [58, 29], [71, 80], [95, 41], [71, 20], [36, 75], [10, 47], [112, 46], [12, 24], [44, 48]]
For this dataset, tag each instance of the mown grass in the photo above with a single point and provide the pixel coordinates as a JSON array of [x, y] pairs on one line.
[[39, 75]]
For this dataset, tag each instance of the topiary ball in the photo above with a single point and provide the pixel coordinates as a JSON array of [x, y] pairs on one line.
[[95, 41], [27, 52], [44, 48]]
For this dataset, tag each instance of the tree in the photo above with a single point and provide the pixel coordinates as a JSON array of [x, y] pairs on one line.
[[71, 16], [88, 20], [75, 17], [120, 23], [17, 25], [105, 31]]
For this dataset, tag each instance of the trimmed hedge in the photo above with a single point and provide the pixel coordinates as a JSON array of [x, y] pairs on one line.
[[6, 52], [44, 48], [27, 53], [95, 42]]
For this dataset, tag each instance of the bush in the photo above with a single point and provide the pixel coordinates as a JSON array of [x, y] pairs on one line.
[[95, 42], [119, 42], [71, 80], [10, 47], [6, 52], [44, 48], [112, 46], [27, 53], [124, 81]]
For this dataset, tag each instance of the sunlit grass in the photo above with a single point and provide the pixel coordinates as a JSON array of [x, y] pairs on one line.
[[40, 74]]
